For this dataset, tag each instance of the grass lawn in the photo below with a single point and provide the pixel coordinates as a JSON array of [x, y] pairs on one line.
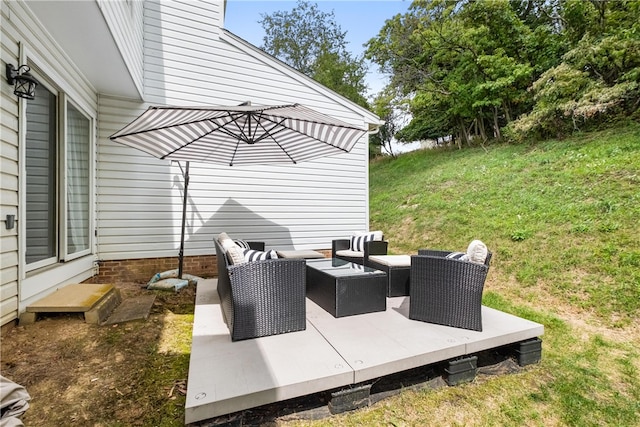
[[562, 219]]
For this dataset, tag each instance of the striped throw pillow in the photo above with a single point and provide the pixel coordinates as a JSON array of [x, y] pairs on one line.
[[253, 255], [358, 241], [458, 255], [241, 243]]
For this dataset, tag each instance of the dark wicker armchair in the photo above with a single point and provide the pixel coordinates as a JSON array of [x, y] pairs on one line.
[[262, 298], [375, 247], [447, 291]]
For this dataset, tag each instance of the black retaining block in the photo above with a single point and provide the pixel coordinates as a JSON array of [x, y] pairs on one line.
[[461, 370], [230, 420], [529, 351], [349, 399]]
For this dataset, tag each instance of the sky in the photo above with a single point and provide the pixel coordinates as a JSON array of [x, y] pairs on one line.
[[361, 19]]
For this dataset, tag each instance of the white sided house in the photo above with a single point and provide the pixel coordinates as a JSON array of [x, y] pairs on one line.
[[75, 205]]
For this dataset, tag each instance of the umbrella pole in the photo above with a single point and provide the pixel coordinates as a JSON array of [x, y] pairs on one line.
[[185, 174]]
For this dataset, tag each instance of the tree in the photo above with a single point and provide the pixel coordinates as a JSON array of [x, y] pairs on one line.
[[313, 43], [471, 69], [343, 75], [387, 106], [597, 80], [460, 64]]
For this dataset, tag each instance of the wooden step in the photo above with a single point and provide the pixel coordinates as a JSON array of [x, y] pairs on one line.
[[96, 301]]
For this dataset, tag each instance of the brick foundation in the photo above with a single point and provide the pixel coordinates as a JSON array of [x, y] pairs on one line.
[[142, 270]]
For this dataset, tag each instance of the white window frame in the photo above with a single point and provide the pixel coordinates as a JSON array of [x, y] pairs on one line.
[[65, 101], [49, 79]]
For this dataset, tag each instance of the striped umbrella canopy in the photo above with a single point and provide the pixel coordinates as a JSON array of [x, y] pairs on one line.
[[236, 135]]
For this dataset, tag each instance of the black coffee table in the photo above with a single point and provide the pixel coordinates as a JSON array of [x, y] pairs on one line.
[[344, 288]]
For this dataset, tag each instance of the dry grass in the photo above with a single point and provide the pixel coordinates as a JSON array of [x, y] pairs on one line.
[[86, 375]]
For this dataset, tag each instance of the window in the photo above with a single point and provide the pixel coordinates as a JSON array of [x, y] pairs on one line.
[[41, 153], [78, 178], [58, 179]]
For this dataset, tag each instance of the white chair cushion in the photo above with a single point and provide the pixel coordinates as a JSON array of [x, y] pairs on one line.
[[300, 253], [392, 260], [350, 253]]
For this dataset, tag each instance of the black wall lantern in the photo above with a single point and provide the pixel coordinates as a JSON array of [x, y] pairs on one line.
[[25, 84]]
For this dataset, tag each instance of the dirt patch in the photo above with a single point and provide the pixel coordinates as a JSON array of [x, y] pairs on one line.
[[584, 323], [83, 374]]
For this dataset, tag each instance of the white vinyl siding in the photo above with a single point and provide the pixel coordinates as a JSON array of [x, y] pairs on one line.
[[140, 198], [9, 166], [176, 53], [25, 41]]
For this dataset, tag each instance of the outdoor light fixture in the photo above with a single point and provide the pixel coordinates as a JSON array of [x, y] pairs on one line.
[[25, 83]]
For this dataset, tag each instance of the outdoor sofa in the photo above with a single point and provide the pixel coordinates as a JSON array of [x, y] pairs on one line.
[[446, 288], [359, 246], [262, 297]]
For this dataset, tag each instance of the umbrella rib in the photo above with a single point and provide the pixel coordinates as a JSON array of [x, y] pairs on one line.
[[307, 135], [235, 151], [220, 126], [258, 123], [232, 134], [141, 132], [269, 134], [242, 136]]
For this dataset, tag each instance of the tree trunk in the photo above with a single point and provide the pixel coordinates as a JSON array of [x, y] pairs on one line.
[[483, 133], [496, 125], [476, 132], [464, 137], [507, 111], [474, 126]]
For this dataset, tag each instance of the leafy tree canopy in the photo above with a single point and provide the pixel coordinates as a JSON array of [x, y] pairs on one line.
[[472, 69], [313, 43]]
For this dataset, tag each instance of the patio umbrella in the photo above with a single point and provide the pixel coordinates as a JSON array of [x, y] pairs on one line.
[[236, 135]]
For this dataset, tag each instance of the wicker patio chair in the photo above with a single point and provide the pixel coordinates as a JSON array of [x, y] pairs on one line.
[[262, 298], [447, 291], [340, 248]]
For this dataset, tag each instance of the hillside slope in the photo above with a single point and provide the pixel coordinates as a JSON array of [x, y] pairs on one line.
[[561, 217]]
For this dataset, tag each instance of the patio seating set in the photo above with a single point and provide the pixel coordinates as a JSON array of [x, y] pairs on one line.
[[263, 293]]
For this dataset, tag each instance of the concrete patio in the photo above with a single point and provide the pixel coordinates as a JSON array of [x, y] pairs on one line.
[[226, 377]]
